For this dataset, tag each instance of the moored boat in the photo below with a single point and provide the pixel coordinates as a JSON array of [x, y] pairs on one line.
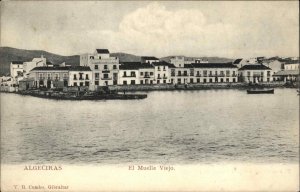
[[260, 91]]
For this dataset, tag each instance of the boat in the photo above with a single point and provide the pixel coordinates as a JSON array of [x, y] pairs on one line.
[[260, 91]]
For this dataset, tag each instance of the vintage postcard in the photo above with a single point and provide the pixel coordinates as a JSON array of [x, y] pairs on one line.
[[149, 96]]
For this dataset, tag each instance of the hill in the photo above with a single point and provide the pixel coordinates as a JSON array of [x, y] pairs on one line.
[[8, 54]]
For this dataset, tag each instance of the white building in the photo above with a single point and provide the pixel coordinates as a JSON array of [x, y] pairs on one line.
[[255, 73], [36, 62], [16, 71], [104, 67], [161, 72]]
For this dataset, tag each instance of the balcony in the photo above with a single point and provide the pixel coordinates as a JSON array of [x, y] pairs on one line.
[[147, 76], [158, 77], [105, 71], [96, 78], [129, 76], [198, 75], [81, 79], [165, 77]]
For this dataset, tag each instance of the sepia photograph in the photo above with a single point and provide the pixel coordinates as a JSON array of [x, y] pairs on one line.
[[149, 96]]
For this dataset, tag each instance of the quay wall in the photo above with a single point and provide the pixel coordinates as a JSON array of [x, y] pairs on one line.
[[190, 86]]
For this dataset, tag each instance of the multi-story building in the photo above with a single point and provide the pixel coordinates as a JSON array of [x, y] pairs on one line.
[[290, 72], [16, 71], [104, 67], [36, 62], [146, 73], [204, 73], [129, 73], [61, 76], [255, 73], [161, 72]]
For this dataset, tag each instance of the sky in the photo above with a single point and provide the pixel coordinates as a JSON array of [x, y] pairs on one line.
[[230, 29]]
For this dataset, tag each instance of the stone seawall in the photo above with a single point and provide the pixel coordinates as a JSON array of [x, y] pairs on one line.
[[190, 86]]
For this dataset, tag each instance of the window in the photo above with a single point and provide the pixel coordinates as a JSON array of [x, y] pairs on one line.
[[158, 81], [142, 73], [164, 68], [248, 73], [105, 66], [191, 80], [233, 73], [105, 76], [81, 84], [41, 76], [114, 66], [233, 80], [132, 82], [141, 82], [49, 76], [80, 76], [65, 83], [210, 80], [96, 66], [65, 76], [204, 80], [165, 81], [96, 82], [106, 82], [151, 73], [87, 76], [96, 75], [179, 73], [158, 68], [227, 79], [75, 77], [198, 80], [124, 74], [75, 84], [132, 74], [56, 77], [179, 81], [151, 81], [205, 73], [222, 80], [124, 82]]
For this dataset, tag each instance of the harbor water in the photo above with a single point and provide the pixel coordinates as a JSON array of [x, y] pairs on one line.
[[182, 127]]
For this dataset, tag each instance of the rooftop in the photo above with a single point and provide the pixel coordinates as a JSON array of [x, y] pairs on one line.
[[255, 67], [149, 58], [65, 68], [134, 65], [213, 65], [237, 61], [102, 51], [17, 62], [163, 63]]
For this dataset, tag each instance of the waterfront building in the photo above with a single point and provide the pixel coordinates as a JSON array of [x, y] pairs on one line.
[[129, 73], [180, 75], [255, 73], [104, 67], [16, 71], [204, 73], [161, 72], [276, 66], [60, 76], [213, 73], [290, 72], [146, 73]]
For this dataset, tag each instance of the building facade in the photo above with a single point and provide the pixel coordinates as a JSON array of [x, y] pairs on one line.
[[104, 67], [255, 73]]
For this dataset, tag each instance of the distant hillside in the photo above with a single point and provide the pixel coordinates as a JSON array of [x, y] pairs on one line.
[[210, 59], [8, 54], [125, 57]]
